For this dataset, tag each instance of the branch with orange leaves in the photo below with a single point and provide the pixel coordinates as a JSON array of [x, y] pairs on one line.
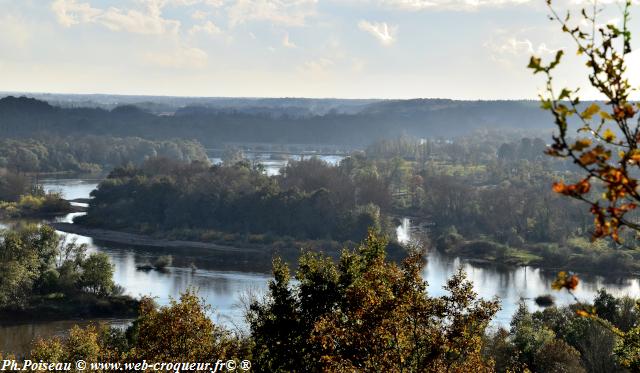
[[604, 158], [570, 281]]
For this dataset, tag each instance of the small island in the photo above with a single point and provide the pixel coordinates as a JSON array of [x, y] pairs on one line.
[[236, 206]]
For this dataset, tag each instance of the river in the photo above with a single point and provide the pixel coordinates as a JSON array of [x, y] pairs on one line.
[[272, 165], [224, 281]]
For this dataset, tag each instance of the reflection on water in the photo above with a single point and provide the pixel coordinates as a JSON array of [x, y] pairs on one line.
[[216, 284], [513, 285], [273, 163], [222, 279], [70, 188], [402, 231]]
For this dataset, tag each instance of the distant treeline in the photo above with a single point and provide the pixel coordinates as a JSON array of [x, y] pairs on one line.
[[90, 153], [25, 117]]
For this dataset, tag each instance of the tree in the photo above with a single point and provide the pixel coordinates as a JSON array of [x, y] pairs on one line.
[[606, 139], [605, 147], [179, 332], [367, 314], [97, 274], [25, 255]]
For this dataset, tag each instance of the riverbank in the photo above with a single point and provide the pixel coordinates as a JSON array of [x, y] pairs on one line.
[[143, 240], [577, 255], [285, 248], [66, 307]]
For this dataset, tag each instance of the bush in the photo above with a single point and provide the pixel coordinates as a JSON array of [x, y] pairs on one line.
[[163, 262]]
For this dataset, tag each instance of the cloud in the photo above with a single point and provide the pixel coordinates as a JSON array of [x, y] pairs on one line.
[[208, 28], [70, 12], [514, 46], [285, 12], [320, 66], [199, 14], [147, 20], [417, 5], [212, 3], [510, 50], [288, 43], [385, 34], [180, 57]]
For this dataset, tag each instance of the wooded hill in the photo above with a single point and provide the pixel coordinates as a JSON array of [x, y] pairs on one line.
[[211, 125]]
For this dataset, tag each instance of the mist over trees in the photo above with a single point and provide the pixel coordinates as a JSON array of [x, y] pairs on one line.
[[24, 117]]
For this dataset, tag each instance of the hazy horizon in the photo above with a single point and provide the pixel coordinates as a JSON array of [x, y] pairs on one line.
[[382, 49], [43, 93]]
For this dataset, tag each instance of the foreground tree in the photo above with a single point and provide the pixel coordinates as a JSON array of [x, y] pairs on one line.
[[367, 314], [600, 139], [179, 332], [603, 140]]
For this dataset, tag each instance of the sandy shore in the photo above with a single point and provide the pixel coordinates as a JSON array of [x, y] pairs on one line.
[[141, 240]]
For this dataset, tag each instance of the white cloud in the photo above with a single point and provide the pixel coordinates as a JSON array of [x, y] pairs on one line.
[[147, 20], [385, 34], [70, 12], [514, 46], [285, 12], [208, 28], [416, 5], [199, 14], [212, 3], [180, 57], [511, 50], [288, 43]]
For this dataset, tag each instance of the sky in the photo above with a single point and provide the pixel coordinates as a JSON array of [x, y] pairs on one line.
[[461, 49]]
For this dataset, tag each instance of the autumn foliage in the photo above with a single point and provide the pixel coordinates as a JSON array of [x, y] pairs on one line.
[[601, 138], [364, 314], [367, 314]]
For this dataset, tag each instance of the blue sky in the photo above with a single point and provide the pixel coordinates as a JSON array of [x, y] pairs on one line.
[[464, 49]]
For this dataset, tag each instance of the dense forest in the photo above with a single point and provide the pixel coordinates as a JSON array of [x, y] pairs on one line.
[[310, 200], [26, 117], [90, 153], [485, 196], [489, 197]]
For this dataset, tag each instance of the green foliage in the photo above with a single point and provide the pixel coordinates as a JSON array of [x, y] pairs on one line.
[[90, 153], [177, 333], [35, 262], [359, 125], [97, 274], [366, 314], [13, 185], [564, 340], [240, 199], [163, 262], [182, 331]]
